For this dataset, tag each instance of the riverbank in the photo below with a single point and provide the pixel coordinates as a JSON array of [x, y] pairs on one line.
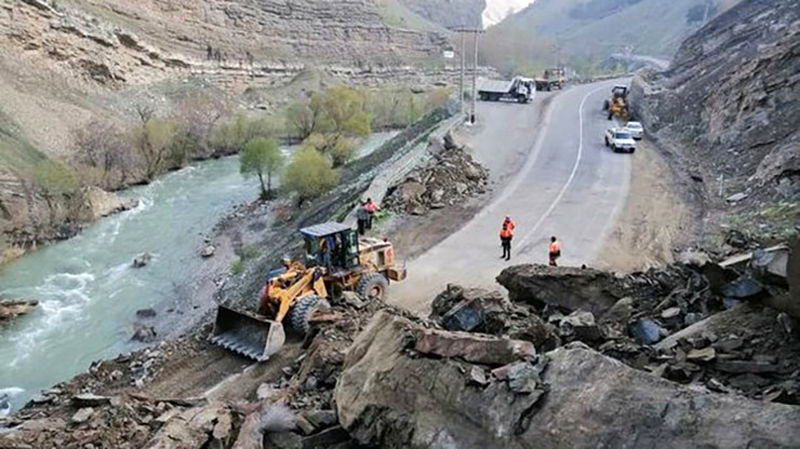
[[99, 291]]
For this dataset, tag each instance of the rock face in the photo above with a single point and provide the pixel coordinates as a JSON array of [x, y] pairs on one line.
[[730, 102], [101, 203], [389, 398]]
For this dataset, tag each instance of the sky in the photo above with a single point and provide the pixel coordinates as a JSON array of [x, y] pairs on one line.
[[497, 10]]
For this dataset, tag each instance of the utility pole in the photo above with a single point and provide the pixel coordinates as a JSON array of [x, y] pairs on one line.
[[463, 68], [476, 32], [472, 116]]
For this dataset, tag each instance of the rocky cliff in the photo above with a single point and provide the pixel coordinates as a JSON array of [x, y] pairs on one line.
[[730, 103]]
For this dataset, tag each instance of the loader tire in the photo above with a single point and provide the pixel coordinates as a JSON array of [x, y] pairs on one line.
[[301, 312], [373, 286], [605, 105]]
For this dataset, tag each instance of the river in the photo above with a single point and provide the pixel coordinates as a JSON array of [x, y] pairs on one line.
[[89, 292]]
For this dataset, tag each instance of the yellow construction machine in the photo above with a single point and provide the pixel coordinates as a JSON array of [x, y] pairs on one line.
[[617, 105], [336, 260]]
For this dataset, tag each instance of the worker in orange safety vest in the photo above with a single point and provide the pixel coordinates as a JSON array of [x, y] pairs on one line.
[[506, 235], [554, 251]]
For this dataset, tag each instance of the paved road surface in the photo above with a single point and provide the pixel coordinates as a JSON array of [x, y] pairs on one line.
[[559, 181]]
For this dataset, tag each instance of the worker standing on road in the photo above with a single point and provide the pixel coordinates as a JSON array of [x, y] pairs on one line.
[[362, 217], [506, 235], [554, 251], [371, 208]]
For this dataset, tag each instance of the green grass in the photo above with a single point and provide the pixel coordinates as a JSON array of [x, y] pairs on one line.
[[776, 221], [16, 153], [237, 267], [250, 251]]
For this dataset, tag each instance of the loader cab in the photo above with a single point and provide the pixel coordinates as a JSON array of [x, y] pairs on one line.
[[331, 245], [619, 91]]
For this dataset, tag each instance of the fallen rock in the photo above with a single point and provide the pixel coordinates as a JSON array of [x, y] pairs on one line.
[[10, 309], [471, 310], [582, 325], [82, 415], [90, 400], [146, 313], [742, 288], [143, 333], [142, 260], [208, 251], [475, 348], [566, 287], [100, 203], [387, 398], [646, 332]]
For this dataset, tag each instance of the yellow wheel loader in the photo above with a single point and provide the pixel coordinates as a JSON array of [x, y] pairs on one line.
[[617, 105], [336, 260]]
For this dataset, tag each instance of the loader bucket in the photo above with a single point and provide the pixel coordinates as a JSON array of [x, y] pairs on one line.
[[246, 333]]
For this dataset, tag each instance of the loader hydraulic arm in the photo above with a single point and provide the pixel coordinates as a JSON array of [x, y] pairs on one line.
[[310, 282]]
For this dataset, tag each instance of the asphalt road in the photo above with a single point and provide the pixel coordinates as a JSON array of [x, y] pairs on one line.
[[553, 176]]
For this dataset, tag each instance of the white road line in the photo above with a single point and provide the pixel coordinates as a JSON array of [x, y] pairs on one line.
[[564, 189]]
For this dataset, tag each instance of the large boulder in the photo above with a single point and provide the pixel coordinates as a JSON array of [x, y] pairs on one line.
[[565, 287], [390, 397]]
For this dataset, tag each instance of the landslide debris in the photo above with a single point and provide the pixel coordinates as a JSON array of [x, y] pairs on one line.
[[450, 178], [391, 396]]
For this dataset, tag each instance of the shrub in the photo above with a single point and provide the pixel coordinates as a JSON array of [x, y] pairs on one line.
[[310, 174]]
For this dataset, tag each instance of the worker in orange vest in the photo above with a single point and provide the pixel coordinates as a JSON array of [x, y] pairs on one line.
[[554, 251], [506, 235]]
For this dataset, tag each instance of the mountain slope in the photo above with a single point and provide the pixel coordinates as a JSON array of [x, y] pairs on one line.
[[65, 63], [449, 13], [730, 103], [579, 32]]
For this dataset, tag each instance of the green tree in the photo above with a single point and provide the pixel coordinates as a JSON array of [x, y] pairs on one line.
[[263, 158], [310, 174], [339, 116], [153, 140]]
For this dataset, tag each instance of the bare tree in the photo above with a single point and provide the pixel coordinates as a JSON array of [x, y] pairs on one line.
[[152, 139], [100, 144]]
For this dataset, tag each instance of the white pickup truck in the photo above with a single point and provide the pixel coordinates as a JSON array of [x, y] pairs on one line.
[[620, 139]]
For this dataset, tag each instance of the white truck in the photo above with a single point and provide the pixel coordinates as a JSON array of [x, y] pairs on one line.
[[620, 140], [518, 89]]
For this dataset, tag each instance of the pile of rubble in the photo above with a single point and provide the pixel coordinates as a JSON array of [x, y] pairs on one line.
[[448, 179]]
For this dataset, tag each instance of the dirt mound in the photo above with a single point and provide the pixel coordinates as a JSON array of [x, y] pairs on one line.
[[451, 177]]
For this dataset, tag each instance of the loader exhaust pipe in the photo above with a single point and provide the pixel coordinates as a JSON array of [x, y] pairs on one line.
[[246, 333]]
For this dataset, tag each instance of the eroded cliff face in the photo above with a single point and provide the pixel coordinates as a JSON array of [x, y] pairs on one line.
[[730, 103]]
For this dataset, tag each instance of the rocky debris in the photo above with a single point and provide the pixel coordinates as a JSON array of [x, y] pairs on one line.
[[10, 309], [142, 260], [388, 396], [478, 310], [451, 177], [380, 399]]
